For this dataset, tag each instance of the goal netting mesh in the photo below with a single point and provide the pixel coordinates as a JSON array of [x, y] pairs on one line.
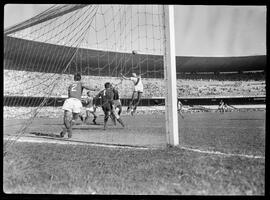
[[42, 54]]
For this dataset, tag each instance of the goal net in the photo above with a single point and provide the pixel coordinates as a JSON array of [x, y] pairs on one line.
[[42, 54]]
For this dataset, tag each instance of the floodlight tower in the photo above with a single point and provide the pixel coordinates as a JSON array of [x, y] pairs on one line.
[[170, 77]]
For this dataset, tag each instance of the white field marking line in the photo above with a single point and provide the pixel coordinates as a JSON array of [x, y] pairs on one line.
[[66, 142], [222, 154]]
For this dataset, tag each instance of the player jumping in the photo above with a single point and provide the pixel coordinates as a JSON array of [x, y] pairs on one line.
[[72, 106], [138, 88]]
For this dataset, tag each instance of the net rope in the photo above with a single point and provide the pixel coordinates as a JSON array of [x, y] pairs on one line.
[[41, 54]]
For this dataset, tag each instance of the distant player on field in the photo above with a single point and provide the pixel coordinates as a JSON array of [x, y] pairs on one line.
[[138, 89], [72, 106], [222, 107], [179, 108], [90, 108]]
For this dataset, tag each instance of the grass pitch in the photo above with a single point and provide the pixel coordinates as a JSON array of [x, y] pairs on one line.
[[44, 168], [73, 169]]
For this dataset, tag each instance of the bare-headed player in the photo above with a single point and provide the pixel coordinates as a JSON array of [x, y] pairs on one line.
[[106, 96], [72, 106], [138, 89]]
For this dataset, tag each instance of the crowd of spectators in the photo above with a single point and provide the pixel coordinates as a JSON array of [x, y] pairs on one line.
[[24, 83], [234, 76]]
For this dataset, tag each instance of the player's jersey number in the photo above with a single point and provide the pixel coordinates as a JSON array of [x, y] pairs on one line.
[[74, 87]]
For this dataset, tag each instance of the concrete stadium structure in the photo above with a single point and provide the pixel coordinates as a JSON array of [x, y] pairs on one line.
[[46, 56]]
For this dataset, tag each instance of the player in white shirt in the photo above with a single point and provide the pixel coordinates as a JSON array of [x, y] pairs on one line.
[[138, 89]]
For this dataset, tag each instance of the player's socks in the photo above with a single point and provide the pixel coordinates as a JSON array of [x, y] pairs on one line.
[[134, 110], [69, 133], [121, 122], [129, 108], [114, 121], [82, 118], [62, 134]]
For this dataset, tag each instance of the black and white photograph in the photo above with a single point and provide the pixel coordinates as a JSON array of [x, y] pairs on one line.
[[134, 99]]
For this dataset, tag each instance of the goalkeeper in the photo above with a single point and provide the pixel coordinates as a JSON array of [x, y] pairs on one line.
[[138, 89]]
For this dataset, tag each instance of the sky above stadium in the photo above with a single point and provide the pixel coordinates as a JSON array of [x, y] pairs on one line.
[[199, 30]]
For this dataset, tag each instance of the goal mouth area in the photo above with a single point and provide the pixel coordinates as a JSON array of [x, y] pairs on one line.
[[202, 132]]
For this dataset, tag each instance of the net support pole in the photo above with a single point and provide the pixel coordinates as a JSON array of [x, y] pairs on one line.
[[170, 77]]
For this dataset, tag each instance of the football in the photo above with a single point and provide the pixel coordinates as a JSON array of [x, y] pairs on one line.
[[134, 52]]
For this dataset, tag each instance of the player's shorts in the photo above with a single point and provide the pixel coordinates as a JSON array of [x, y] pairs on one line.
[[107, 107], [91, 109], [117, 103], [138, 88], [72, 105]]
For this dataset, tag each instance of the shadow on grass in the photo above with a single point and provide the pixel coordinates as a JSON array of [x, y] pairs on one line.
[[53, 135], [58, 124]]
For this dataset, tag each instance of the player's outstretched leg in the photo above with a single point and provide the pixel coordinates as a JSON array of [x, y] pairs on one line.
[[94, 120], [67, 123], [113, 119], [106, 117], [121, 122], [137, 103], [82, 118], [131, 102]]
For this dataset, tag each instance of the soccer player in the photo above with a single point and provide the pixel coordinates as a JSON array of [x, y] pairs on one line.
[[72, 106], [90, 108], [221, 107], [179, 108], [138, 89], [117, 106], [106, 96]]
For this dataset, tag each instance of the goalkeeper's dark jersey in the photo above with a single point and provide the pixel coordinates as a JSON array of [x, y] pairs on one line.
[[106, 95], [75, 90], [116, 94]]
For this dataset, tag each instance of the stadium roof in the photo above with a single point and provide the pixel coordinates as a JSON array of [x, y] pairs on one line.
[[42, 54]]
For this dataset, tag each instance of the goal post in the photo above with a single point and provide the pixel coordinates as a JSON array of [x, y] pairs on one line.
[[170, 77]]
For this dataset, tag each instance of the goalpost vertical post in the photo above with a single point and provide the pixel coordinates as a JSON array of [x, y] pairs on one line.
[[170, 77]]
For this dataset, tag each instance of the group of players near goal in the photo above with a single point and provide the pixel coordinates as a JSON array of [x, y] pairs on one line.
[[110, 102]]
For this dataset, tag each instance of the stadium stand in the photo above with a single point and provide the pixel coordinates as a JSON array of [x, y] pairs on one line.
[[189, 85]]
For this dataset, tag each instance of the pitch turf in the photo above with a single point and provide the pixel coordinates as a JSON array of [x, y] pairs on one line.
[[34, 168], [44, 168], [231, 132]]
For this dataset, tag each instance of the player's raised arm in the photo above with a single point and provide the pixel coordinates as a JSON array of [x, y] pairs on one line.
[[126, 78], [89, 87]]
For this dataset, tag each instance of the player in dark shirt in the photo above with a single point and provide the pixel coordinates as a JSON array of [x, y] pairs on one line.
[[72, 106], [106, 96], [117, 106]]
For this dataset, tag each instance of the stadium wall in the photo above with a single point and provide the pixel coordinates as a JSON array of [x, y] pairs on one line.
[[19, 101]]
